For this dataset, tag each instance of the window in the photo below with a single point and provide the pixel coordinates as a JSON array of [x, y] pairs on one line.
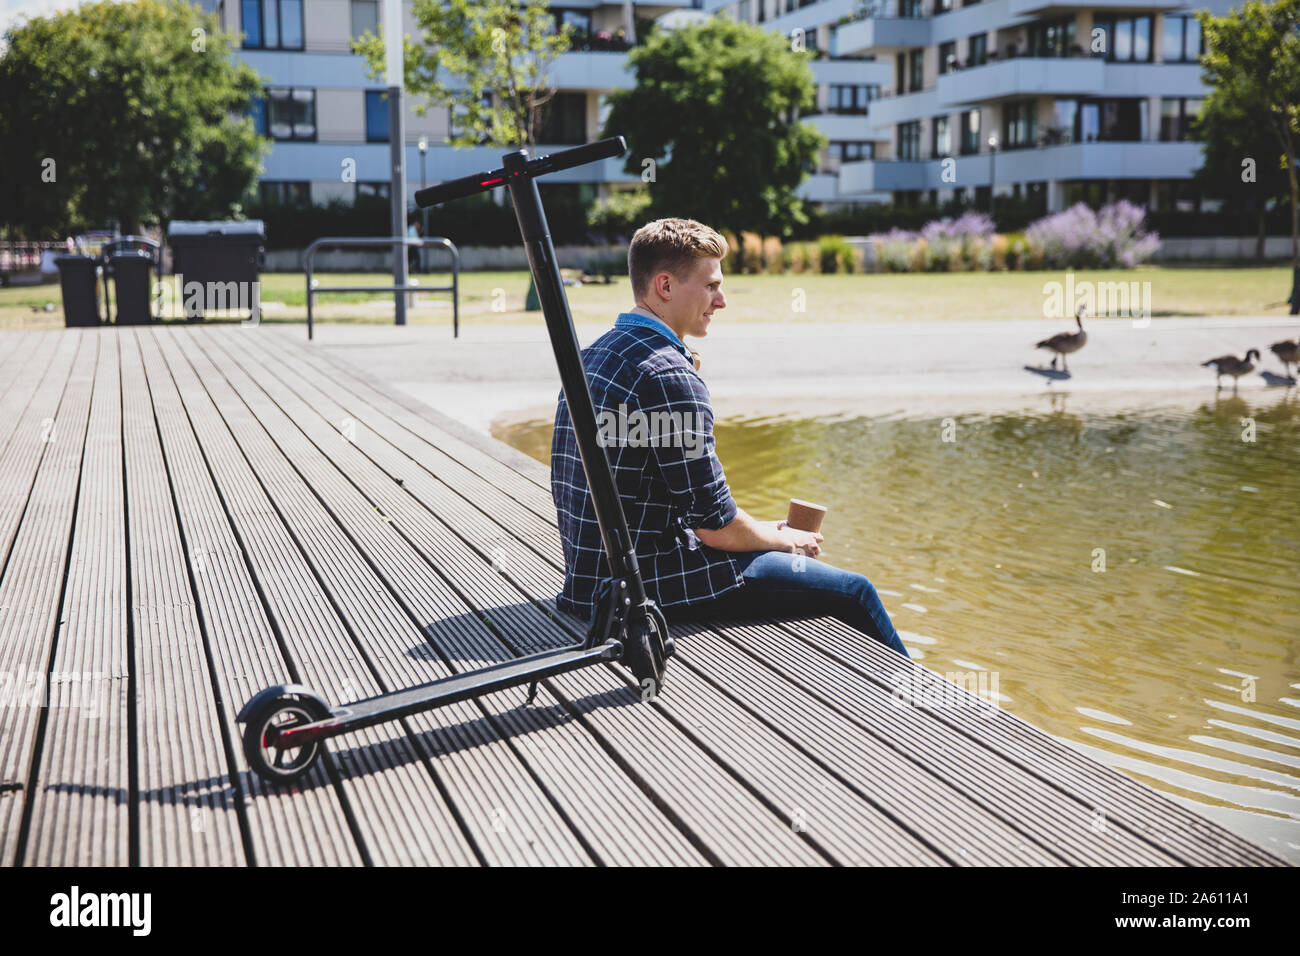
[[970, 132], [272, 24], [909, 140], [910, 8], [852, 98], [284, 193], [1128, 39], [365, 17], [942, 137], [258, 113], [942, 6], [852, 152], [1052, 37], [914, 74], [1108, 120], [376, 116], [373, 192], [1121, 120], [947, 56], [1175, 117], [1064, 118], [1019, 124], [564, 119], [1181, 39], [291, 113], [979, 50]]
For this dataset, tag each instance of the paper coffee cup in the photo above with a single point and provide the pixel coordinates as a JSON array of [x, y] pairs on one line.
[[805, 516]]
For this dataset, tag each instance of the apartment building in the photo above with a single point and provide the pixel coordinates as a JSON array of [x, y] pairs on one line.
[[1055, 102], [328, 118], [919, 99]]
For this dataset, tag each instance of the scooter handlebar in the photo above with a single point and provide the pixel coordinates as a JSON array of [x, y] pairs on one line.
[[481, 182]]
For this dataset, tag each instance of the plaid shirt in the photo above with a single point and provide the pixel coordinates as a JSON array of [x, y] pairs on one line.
[[668, 476]]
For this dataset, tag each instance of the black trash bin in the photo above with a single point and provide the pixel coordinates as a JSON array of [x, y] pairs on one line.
[[80, 290], [225, 259], [131, 287]]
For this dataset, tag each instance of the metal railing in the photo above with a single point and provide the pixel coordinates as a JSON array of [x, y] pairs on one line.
[[310, 255]]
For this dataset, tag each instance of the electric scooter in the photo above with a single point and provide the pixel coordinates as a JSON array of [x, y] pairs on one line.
[[285, 726]]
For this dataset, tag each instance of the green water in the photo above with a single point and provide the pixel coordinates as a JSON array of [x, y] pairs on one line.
[[1131, 577]]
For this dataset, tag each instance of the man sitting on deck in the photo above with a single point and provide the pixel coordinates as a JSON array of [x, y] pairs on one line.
[[700, 554]]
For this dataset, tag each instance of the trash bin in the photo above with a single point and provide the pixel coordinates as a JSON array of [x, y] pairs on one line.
[[225, 258], [130, 271], [80, 290]]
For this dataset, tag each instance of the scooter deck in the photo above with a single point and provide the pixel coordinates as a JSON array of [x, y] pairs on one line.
[[449, 690]]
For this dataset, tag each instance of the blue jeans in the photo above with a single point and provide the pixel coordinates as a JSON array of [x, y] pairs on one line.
[[780, 584]]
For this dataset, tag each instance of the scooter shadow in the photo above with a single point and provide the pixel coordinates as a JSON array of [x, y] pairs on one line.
[[1049, 373]]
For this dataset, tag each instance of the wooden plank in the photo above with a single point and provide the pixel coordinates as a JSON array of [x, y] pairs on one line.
[[581, 777], [1121, 800], [16, 352], [511, 818], [401, 815], [80, 803], [993, 805], [186, 805], [28, 424], [286, 828], [31, 589]]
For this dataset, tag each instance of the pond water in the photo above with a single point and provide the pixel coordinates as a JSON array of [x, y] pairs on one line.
[[1131, 577]]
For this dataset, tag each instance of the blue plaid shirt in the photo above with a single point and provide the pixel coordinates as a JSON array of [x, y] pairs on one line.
[[655, 419]]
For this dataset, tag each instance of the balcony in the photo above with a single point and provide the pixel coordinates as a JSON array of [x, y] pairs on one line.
[[1023, 76], [824, 72], [582, 70], [1109, 160], [889, 111], [863, 36], [875, 175], [844, 126], [1024, 8]]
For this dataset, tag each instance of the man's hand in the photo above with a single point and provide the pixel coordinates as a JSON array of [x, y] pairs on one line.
[[805, 542], [746, 534]]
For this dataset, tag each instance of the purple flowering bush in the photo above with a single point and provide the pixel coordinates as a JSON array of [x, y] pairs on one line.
[[1106, 238]]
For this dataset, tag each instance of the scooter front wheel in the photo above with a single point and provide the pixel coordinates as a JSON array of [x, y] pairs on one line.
[[279, 764]]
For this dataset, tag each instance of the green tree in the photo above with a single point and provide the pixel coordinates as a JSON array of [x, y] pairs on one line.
[[1241, 165], [129, 111], [1252, 64], [716, 107], [486, 60]]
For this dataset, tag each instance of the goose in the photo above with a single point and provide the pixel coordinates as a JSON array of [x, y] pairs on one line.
[[1231, 365], [1288, 352], [1063, 343]]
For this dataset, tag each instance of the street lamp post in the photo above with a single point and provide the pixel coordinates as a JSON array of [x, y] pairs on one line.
[[424, 213], [993, 156]]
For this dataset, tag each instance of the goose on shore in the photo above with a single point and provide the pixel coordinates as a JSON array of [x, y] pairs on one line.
[[1063, 343], [1231, 365], [1288, 352]]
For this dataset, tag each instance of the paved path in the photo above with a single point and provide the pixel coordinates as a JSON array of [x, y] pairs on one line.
[[916, 367]]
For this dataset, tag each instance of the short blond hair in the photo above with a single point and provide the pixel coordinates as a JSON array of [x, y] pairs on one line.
[[670, 245]]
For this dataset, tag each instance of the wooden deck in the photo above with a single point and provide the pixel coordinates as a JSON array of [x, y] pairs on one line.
[[189, 514]]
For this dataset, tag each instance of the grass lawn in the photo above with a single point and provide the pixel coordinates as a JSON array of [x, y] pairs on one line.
[[498, 297]]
